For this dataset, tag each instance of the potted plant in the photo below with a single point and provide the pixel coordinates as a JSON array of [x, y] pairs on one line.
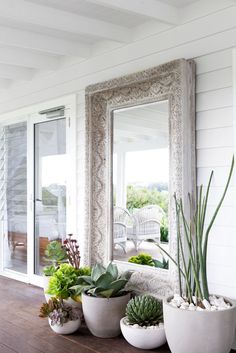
[[143, 324], [104, 299], [196, 321], [63, 279], [147, 260], [62, 317], [55, 254]]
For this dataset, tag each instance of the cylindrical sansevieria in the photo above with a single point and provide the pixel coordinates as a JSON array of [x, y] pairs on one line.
[[144, 310]]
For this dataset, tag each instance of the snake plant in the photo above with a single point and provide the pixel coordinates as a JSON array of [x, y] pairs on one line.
[[103, 282], [144, 310], [192, 235]]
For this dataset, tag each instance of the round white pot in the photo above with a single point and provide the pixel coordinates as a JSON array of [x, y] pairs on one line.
[[142, 337], [67, 328], [46, 280], [199, 331], [102, 315]]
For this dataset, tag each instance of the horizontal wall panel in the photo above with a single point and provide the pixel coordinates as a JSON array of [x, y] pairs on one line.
[[219, 137], [219, 178], [216, 193], [214, 80], [214, 157], [215, 118], [214, 61], [225, 216], [214, 99]]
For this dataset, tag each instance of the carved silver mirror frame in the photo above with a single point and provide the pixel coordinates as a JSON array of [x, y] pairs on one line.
[[175, 82]]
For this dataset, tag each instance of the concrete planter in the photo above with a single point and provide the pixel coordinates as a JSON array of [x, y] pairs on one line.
[[102, 315], [142, 337], [66, 329], [199, 331]]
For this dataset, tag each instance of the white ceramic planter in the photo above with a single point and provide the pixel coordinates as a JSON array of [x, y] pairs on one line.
[[46, 280], [199, 331], [102, 315], [67, 328], [142, 337]]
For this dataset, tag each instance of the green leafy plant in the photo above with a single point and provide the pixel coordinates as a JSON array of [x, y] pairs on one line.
[[139, 197], [164, 231], [142, 259], [103, 282], [164, 264], [63, 279], [192, 264], [59, 312], [144, 310], [55, 254]]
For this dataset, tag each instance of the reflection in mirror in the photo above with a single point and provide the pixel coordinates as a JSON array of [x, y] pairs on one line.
[[141, 184]]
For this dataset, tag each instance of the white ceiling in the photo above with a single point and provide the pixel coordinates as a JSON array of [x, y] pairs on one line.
[[39, 36], [141, 127]]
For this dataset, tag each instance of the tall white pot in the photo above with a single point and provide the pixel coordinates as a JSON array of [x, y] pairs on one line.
[[199, 331], [102, 315]]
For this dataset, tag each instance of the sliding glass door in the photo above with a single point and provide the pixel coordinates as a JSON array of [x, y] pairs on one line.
[[50, 174], [13, 188]]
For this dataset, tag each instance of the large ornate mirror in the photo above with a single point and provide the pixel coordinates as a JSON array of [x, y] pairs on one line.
[[141, 149]]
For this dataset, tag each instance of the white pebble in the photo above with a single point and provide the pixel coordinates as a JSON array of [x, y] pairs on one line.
[[206, 304], [199, 308], [192, 307]]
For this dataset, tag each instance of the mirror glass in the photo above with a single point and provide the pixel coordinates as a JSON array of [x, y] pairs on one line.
[[141, 184]]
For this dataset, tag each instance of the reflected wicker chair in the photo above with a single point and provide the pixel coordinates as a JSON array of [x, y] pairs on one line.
[[146, 226], [122, 220]]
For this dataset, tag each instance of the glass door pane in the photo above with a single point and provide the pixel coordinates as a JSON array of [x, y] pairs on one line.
[[50, 186], [14, 196]]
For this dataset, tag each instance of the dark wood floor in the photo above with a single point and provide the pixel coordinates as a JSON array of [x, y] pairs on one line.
[[22, 331]]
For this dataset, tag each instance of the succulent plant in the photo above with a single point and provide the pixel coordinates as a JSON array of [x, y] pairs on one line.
[[63, 279], [59, 312], [142, 259], [71, 248], [144, 310], [55, 254], [103, 282]]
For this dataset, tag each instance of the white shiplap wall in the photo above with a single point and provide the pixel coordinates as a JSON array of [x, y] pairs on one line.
[[211, 47], [215, 145]]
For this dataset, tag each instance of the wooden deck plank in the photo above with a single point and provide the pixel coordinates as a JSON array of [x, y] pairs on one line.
[[22, 331]]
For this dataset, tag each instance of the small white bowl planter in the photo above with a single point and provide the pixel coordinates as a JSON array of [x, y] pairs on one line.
[[66, 329], [102, 315], [199, 331], [144, 338]]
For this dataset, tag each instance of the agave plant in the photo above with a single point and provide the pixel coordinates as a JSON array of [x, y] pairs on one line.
[[103, 282], [192, 264], [144, 310]]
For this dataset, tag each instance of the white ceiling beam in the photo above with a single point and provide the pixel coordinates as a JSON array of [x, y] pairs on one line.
[[15, 73], [30, 40], [26, 58], [45, 16], [151, 8], [5, 83]]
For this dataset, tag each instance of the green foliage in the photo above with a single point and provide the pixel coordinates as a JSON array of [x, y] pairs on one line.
[[54, 254], [140, 197], [59, 312], [142, 259], [195, 234], [164, 264], [103, 282], [64, 278], [164, 231], [146, 259], [144, 310]]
